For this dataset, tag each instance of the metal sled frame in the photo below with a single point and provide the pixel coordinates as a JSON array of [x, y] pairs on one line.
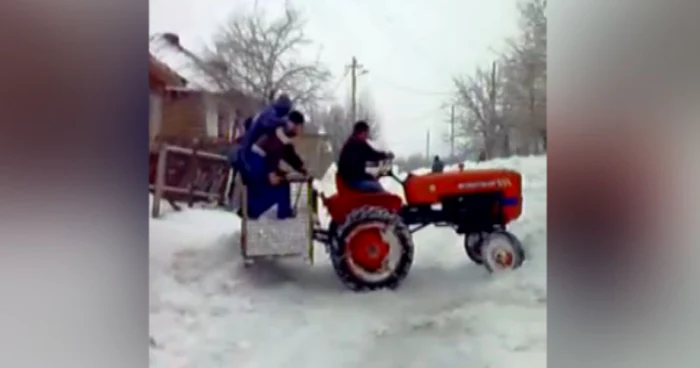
[[314, 150], [303, 185]]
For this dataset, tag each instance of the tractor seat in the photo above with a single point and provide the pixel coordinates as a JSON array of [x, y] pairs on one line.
[[347, 199], [342, 188]]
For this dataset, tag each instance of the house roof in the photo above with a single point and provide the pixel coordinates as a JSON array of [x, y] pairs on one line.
[[178, 62], [181, 64], [163, 73]]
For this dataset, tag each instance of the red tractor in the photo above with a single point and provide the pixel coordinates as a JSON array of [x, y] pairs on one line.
[[369, 237]]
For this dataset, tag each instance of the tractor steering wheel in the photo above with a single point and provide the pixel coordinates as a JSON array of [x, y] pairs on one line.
[[382, 168]]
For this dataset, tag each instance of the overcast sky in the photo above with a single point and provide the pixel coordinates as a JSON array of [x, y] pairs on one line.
[[410, 48]]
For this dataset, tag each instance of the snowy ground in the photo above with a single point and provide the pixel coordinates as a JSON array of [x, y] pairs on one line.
[[207, 311]]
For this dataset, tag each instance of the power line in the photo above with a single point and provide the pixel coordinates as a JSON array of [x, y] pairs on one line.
[[425, 115], [383, 80], [411, 90], [416, 48], [340, 82]]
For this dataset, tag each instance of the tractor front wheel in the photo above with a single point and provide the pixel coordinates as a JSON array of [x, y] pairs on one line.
[[472, 244], [373, 250], [502, 251]]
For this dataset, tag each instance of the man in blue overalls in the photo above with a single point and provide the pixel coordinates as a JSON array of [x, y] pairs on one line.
[[270, 142], [265, 121]]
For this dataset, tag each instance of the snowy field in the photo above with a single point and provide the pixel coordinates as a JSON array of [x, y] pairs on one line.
[[207, 311]]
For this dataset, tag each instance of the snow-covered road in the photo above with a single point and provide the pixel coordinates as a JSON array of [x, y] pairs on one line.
[[206, 310]]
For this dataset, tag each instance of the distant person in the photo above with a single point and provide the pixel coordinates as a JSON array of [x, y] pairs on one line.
[[438, 165], [354, 157], [460, 166]]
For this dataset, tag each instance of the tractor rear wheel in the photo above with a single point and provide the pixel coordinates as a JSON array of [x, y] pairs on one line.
[[373, 250]]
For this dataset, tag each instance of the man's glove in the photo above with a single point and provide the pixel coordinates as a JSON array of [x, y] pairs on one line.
[[274, 178]]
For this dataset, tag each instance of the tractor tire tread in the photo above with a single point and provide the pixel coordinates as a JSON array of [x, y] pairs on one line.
[[337, 250]]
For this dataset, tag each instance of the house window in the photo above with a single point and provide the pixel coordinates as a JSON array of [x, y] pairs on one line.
[[224, 122], [155, 104], [212, 116]]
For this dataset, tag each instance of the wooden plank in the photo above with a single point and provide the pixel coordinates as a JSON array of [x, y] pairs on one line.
[[160, 181], [311, 210], [201, 195], [174, 204], [197, 152], [200, 175], [193, 174], [244, 216]]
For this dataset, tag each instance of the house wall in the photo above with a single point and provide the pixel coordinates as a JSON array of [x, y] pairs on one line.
[[155, 85], [155, 104], [211, 112], [183, 115]]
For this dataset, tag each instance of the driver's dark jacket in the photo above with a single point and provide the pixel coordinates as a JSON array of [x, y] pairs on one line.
[[353, 160]]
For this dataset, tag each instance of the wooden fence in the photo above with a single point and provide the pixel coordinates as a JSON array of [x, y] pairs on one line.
[[193, 173], [186, 174]]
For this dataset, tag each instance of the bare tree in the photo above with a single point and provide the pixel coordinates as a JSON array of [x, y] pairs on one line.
[[337, 124], [503, 111], [481, 122], [526, 75], [262, 57]]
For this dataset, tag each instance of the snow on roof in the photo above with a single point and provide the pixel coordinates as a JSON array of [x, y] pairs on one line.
[[164, 72], [182, 64], [183, 89]]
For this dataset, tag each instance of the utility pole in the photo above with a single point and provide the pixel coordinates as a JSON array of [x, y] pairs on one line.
[[452, 131], [427, 145], [356, 70]]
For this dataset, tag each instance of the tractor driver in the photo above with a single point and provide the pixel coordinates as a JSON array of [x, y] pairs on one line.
[[260, 169], [354, 157]]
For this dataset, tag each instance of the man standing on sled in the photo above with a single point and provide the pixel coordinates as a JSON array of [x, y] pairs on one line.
[[259, 159], [265, 121], [271, 117]]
